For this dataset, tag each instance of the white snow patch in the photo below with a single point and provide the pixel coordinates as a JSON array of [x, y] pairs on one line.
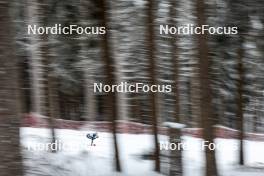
[[174, 125]]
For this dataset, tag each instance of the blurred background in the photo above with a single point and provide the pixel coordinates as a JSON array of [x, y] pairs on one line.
[[47, 94]]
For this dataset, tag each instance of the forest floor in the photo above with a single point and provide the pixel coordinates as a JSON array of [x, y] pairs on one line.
[[77, 157]]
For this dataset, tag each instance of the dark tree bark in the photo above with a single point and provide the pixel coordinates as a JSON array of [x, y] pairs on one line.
[[110, 79], [206, 91], [152, 74], [10, 160]]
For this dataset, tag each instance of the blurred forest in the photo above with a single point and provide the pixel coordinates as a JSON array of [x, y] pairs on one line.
[[217, 79]]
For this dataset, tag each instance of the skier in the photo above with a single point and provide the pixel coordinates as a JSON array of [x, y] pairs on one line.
[[92, 136]]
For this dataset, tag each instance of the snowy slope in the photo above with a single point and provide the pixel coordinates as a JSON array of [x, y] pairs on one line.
[[85, 160]]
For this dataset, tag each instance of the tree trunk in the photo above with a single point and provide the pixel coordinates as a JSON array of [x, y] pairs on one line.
[[51, 108], [10, 160], [90, 98], [175, 155], [49, 80], [110, 79], [195, 98], [240, 113], [90, 111], [152, 75], [206, 92], [36, 66], [256, 118], [174, 52]]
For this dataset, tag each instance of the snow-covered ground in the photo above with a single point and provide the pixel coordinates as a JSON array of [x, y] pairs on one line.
[[81, 159]]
